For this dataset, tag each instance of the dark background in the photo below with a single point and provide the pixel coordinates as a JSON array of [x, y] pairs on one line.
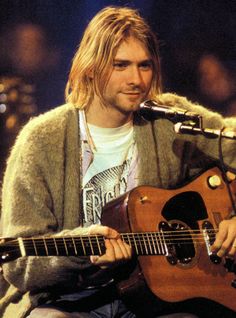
[[38, 39], [197, 46]]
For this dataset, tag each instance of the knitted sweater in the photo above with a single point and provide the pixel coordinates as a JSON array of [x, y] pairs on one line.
[[42, 184]]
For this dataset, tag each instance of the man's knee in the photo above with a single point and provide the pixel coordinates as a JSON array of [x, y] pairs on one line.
[[49, 312]]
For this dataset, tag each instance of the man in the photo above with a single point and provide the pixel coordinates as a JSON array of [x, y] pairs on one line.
[[68, 163]]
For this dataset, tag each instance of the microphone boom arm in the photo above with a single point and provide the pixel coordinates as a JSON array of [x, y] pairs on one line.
[[185, 122], [207, 132]]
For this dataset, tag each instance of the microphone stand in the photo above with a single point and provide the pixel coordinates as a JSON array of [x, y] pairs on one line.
[[184, 122], [193, 128]]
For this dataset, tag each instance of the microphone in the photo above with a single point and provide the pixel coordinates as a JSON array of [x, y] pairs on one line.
[[150, 110]]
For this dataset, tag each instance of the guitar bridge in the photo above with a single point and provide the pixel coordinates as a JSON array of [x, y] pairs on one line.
[[209, 238]]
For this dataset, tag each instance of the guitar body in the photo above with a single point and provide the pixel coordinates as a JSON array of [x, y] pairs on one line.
[[188, 271]]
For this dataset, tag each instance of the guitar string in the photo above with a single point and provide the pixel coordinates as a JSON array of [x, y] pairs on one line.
[[90, 237], [165, 234], [141, 243], [87, 243], [140, 248], [140, 238]]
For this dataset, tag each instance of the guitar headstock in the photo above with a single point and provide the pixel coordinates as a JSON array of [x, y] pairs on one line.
[[9, 250]]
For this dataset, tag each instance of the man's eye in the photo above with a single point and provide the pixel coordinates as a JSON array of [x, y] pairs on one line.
[[120, 65], [146, 66]]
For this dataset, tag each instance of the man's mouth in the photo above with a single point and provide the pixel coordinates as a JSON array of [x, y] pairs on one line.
[[132, 93]]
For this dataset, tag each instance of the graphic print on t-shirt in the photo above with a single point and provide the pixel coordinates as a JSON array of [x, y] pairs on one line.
[[102, 188]]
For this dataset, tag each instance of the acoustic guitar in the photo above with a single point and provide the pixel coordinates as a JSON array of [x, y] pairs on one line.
[[171, 232]]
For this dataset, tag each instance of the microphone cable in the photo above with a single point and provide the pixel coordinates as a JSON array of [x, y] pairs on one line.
[[224, 173]]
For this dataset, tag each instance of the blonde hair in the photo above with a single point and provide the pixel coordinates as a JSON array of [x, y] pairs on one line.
[[92, 61]]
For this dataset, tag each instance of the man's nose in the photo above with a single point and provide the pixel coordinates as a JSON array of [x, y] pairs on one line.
[[135, 76]]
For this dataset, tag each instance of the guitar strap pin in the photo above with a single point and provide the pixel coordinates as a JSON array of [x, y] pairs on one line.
[[143, 199]]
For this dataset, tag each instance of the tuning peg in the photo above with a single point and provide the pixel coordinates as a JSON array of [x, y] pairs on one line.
[[214, 181], [230, 176]]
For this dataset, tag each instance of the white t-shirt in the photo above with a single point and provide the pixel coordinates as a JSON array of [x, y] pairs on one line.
[[114, 163], [107, 175]]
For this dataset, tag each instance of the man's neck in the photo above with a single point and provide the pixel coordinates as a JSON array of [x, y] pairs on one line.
[[105, 116]]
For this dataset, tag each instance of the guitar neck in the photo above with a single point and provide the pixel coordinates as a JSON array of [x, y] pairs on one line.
[[152, 243], [142, 244]]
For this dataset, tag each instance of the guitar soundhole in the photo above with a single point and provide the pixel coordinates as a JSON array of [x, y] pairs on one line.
[[180, 246]]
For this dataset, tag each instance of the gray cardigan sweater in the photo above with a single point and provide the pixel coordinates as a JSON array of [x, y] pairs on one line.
[[41, 189]]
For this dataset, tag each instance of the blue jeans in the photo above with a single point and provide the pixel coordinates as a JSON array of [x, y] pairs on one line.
[[116, 309], [104, 303]]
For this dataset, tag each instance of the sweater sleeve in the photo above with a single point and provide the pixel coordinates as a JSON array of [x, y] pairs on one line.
[[32, 204]]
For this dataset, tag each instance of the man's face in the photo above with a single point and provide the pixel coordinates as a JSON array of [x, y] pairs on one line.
[[130, 77]]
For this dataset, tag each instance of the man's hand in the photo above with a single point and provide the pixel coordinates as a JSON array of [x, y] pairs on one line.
[[225, 243], [117, 251]]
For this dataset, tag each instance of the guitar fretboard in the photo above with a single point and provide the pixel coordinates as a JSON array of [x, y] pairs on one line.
[[152, 243]]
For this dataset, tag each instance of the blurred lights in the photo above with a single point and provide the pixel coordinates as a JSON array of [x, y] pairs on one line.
[[17, 105], [1, 87], [11, 121], [3, 108], [3, 97]]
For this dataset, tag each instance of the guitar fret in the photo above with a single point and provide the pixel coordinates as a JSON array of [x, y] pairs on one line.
[[40, 246], [21, 246], [75, 248], [164, 248], [165, 245], [87, 245], [35, 249], [82, 243], [29, 247], [125, 238], [135, 245], [51, 246], [45, 245], [145, 245], [66, 249], [158, 242], [61, 246], [91, 245], [149, 244], [98, 245], [153, 244], [129, 242], [140, 244], [70, 248], [55, 244]]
